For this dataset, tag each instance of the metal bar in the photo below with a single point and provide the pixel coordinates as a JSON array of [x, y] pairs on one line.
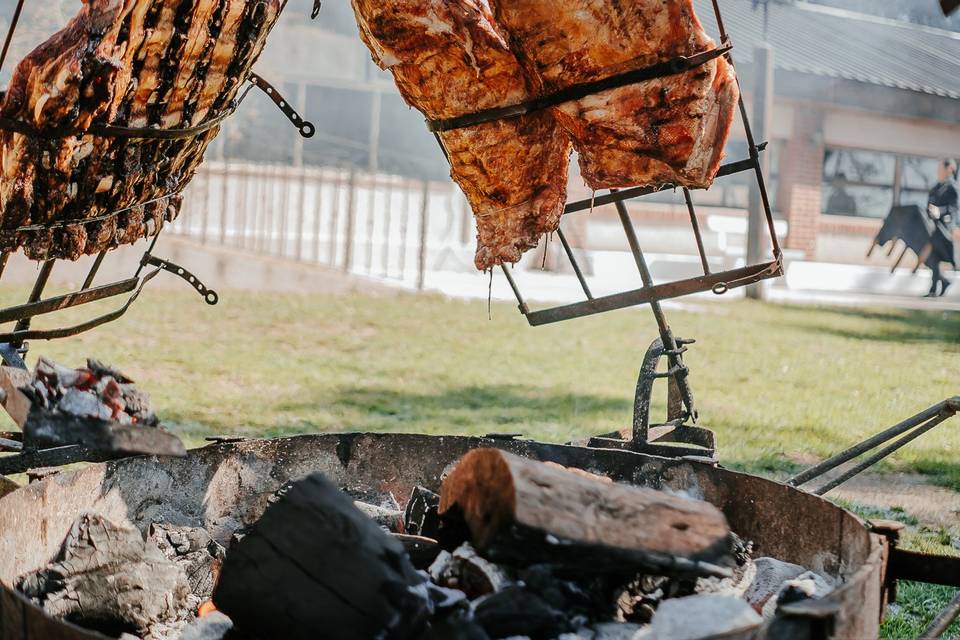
[[93, 270], [224, 200], [921, 567], [666, 335], [516, 290], [696, 231], [348, 242], [950, 405], [724, 279], [404, 224], [574, 263], [13, 27], [880, 455], [301, 215], [35, 294], [146, 253], [943, 620], [635, 192], [55, 457], [422, 249], [49, 305], [387, 211], [371, 224], [17, 337]]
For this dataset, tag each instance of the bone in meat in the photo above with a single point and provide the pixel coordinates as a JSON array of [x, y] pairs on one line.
[[135, 63], [448, 60], [667, 130]]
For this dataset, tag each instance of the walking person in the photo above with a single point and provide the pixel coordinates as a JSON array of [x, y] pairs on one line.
[[943, 207]]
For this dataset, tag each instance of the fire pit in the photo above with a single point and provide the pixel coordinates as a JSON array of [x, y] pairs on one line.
[[226, 486]]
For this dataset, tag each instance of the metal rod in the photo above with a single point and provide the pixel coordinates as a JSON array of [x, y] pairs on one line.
[[696, 231], [950, 406], [635, 192], [880, 455], [149, 250], [10, 31], [666, 335], [38, 286], [516, 290], [422, 249], [574, 263], [88, 281], [943, 620]]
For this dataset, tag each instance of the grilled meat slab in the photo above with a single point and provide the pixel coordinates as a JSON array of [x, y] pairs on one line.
[[135, 63], [667, 130], [448, 59]]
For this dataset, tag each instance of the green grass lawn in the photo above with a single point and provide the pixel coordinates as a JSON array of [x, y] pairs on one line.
[[781, 386]]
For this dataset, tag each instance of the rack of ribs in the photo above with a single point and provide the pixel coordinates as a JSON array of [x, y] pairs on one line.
[[448, 59], [669, 130], [163, 64]]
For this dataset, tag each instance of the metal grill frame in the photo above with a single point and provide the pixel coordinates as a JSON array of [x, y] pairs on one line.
[[13, 344], [719, 282]]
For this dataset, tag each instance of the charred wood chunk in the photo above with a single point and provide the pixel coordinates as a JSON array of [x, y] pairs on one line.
[[515, 611], [421, 516], [315, 564], [106, 577], [521, 512]]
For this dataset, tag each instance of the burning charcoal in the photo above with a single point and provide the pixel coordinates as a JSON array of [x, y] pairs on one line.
[[103, 370], [137, 401], [83, 404], [514, 611], [744, 573], [111, 395], [587, 598], [770, 576], [387, 519], [213, 626], [465, 570], [703, 616], [192, 549], [315, 562], [521, 512], [107, 577], [421, 517]]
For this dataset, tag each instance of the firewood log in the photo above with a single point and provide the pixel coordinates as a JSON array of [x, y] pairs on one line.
[[522, 511]]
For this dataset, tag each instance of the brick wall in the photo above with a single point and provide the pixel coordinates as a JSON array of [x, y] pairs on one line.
[[801, 168]]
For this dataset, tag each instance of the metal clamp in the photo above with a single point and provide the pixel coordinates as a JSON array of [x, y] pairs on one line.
[[673, 438], [305, 127], [209, 295]]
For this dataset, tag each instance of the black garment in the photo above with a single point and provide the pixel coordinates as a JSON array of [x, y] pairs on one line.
[[944, 195]]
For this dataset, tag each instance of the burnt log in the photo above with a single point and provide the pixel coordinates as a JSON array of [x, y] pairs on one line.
[[420, 517], [107, 578], [315, 564], [45, 429], [523, 512]]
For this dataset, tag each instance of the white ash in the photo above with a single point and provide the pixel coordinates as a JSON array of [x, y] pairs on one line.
[[703, 616]]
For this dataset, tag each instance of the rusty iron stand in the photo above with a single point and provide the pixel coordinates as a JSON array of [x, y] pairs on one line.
[[13, 343]]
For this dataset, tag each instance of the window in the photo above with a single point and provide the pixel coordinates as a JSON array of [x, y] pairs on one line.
[[868, 183], [858, 183]]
